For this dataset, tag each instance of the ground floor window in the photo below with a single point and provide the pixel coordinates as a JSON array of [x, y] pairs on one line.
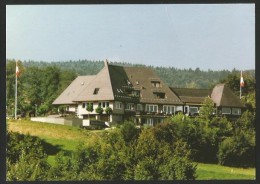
[[226, 110], [236, 111], [153, 121], [194, 110]]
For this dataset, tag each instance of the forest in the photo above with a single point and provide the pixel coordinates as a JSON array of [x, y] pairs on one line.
[[167, 151]]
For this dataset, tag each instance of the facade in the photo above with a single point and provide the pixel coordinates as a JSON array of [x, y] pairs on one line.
[[138, 94]]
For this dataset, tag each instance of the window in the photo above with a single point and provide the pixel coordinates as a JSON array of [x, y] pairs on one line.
[[83, 105], [159, 95], [226, 110], [149, 121], [119, 105], [139, 107], [129, 106], [151, 108], [194, 110], [136, 93], [156, 84], [96, 91], [236, 111], [168, 109], [103, 104]]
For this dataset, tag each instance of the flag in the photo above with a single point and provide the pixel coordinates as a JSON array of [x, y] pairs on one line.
[[241, 80], [17, 72]]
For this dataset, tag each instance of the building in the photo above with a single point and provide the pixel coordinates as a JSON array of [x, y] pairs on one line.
[[138, 94], [225, 101]]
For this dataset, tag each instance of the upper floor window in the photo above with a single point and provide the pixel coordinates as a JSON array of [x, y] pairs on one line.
[[156, 84], [136, 93], [159, 95], [169, 109], [130, 106], [151, 108], [139, 107], [103, 104], [96, 91], [119, 105], [83, 105]]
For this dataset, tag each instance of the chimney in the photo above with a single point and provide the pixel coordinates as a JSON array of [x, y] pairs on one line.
[[106, 63]]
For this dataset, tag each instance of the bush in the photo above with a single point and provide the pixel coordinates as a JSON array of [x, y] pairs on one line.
[[129, 131], [237, 151], [26, 159]]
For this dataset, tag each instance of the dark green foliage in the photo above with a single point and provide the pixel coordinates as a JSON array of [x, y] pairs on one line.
[[159, 160], [237, 151], [89, 107], [129, 131], [108, 110], [36, 87], [26, 159], [207, 109], [99, 110]]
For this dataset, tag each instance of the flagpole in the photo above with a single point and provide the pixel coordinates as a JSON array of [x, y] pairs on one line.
[[15, 108], [241, 84], [240, 92]]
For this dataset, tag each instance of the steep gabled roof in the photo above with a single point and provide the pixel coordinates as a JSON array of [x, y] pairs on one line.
[[223, 96], [189, 95], [141, 79], [73, 90], [98, 89]]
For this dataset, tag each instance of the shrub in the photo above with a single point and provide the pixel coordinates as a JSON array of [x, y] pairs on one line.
[[99, 110], [237, 151], [129, 131], [26, 159]]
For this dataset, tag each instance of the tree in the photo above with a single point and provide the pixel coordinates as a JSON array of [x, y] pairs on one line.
[[129, 132], [207, 110], [89, 108], [108, 111], [99, 110], [237, 151]]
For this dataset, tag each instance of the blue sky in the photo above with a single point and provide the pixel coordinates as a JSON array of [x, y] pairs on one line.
[[216, 37]]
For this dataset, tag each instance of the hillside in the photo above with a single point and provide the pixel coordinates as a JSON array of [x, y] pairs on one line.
[[170, 75]]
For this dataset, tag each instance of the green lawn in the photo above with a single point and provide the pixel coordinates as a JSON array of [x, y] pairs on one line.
[[66, 138], [217, 172]]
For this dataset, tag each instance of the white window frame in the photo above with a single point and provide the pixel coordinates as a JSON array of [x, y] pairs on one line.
[[169, 109], [130, 107], [104, 104], [226, 108], [192, 112], [236, 111], [151, 108], [149, 121], [119, 105]]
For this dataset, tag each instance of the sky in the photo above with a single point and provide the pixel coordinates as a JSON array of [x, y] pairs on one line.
[[205, 36]]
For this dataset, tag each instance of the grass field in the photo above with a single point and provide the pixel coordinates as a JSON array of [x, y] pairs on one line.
[[66, 138]]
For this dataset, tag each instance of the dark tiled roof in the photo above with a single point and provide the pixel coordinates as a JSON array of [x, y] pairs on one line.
[[189, 95], [141, 78]]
